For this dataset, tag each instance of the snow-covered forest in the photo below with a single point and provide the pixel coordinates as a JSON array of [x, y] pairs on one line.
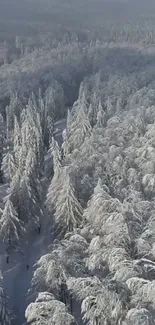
[[77, 162]]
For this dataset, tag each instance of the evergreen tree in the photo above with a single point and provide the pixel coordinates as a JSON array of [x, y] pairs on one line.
[[16, 140], [65, 134], [100, 117], [55, 185], [15, 107], [9, 119], [56, 156], [139, 316], [32, 170], [95, 206], [31, 136], [13, 190], [9, 166], [2, 133], [11, 227], [47, 310], [79, 129], [109, 107], [2, 144], [28, 209], [68, 211], [25, 190], [102, 301], [66, 259], [50, 103], [50, 125]]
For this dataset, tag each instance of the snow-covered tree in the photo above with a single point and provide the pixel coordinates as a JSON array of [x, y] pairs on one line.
[[102, 302], [9, 166], [13, 190], [15, 106], [48, 275], [2, 143], [32, 170], [29, 208], [2, 132], [148, 183], [100, 116], [66, 259], [142, 291], [31, 136], [56, 156], [140, 316], [16, 139], [79, 128], [68, 211], [99, 205], [53, 158], [9, 119], [50, 126], [56, 182], [11, 227], [65, 134], [47, 310], [109, 106]]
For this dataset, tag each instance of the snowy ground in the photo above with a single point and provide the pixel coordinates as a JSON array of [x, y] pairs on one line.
[[17, 278]]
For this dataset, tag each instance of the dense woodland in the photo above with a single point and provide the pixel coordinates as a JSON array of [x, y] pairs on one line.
[[92, 188]]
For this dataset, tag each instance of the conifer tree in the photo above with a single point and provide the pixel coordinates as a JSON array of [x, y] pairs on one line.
[[100, 117], [13, 190], [65, 134], [2, 144], [56, 156], [47, 310], [16, 139], [55, 185], [68, 211], [31, 136], [9, 118], [2, 131], [50, 126], [28, 208], [50, 103], [31, 180], [9, 166], [94, 211], [109, 107], [80, 128], [11, 227], [102, 301], [66, 259]]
